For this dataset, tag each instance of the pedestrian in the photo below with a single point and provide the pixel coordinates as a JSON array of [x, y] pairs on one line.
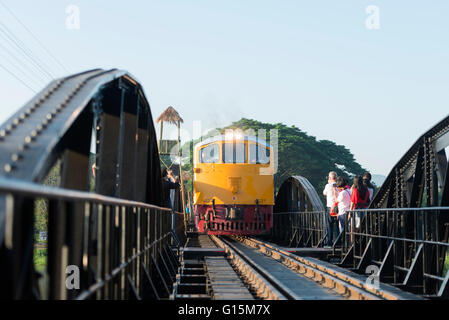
[[168, 183], [368, 184], [331, 197], [359, 200], [360, 196], [344, 201]]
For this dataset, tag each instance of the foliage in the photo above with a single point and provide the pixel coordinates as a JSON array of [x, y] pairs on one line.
[[40, 259], [41, 205], [299, 154]]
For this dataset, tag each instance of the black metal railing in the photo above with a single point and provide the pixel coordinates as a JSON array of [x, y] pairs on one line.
[[299, 229], [98, 247], [408, 245]]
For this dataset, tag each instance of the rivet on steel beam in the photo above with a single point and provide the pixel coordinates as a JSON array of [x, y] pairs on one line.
[[8, 167], [28, 139], [16, 121], [33, 133], [9, 127], [48, 116], [16, 157], [3, 133], [39, 127], [23, 116], [23, 147]]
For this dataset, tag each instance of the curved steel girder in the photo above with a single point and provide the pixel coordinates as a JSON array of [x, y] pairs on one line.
[[63, 116], [421, 174], [297, 189]]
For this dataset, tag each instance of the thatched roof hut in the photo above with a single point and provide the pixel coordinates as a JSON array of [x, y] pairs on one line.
[[170, 115]]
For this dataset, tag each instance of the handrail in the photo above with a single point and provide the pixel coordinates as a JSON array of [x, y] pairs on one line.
[[38, 190]]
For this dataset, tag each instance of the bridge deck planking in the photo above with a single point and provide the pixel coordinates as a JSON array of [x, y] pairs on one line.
[[225, 283], [305, 288]]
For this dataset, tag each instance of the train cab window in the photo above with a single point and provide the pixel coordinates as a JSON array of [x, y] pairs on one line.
[[258, 154], [209, 154], [234, 152]]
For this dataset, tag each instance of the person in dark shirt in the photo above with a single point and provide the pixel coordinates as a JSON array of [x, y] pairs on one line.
[[360, 199], [168, 183], [369, 185]]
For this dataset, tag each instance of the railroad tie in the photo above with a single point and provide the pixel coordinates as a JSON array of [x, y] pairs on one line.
[[224, 282]]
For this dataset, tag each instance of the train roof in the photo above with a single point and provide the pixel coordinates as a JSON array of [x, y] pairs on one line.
[[224, 138]]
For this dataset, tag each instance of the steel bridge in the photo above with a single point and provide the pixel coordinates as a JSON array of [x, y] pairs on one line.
[[105, 215]]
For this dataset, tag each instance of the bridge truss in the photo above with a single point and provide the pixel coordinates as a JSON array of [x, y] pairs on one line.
[[94, 132], [404, 235]]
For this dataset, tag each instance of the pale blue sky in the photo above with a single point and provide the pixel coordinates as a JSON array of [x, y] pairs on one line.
[[312, 64]]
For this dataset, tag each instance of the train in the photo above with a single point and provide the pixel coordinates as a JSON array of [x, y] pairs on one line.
[[233, 182]]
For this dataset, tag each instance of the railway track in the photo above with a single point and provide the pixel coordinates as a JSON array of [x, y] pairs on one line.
[[248, 268], [339, 280], [269, 279], [276, 274]]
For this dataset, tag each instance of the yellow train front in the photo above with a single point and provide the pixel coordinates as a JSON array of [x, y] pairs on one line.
[[233, 185]]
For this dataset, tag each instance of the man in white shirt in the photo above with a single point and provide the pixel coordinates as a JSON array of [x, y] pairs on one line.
[[331, 196]]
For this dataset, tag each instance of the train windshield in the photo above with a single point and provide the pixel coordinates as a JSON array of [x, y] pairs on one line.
[[234, 152], [258, 154], [209, 154]]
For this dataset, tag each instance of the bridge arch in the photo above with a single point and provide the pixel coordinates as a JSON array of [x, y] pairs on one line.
[[296, 194], [59, 123], [95, 129], [421, 177]]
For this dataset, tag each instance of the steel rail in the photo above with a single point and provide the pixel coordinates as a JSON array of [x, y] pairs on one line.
[[257, 277], [341, 282]]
